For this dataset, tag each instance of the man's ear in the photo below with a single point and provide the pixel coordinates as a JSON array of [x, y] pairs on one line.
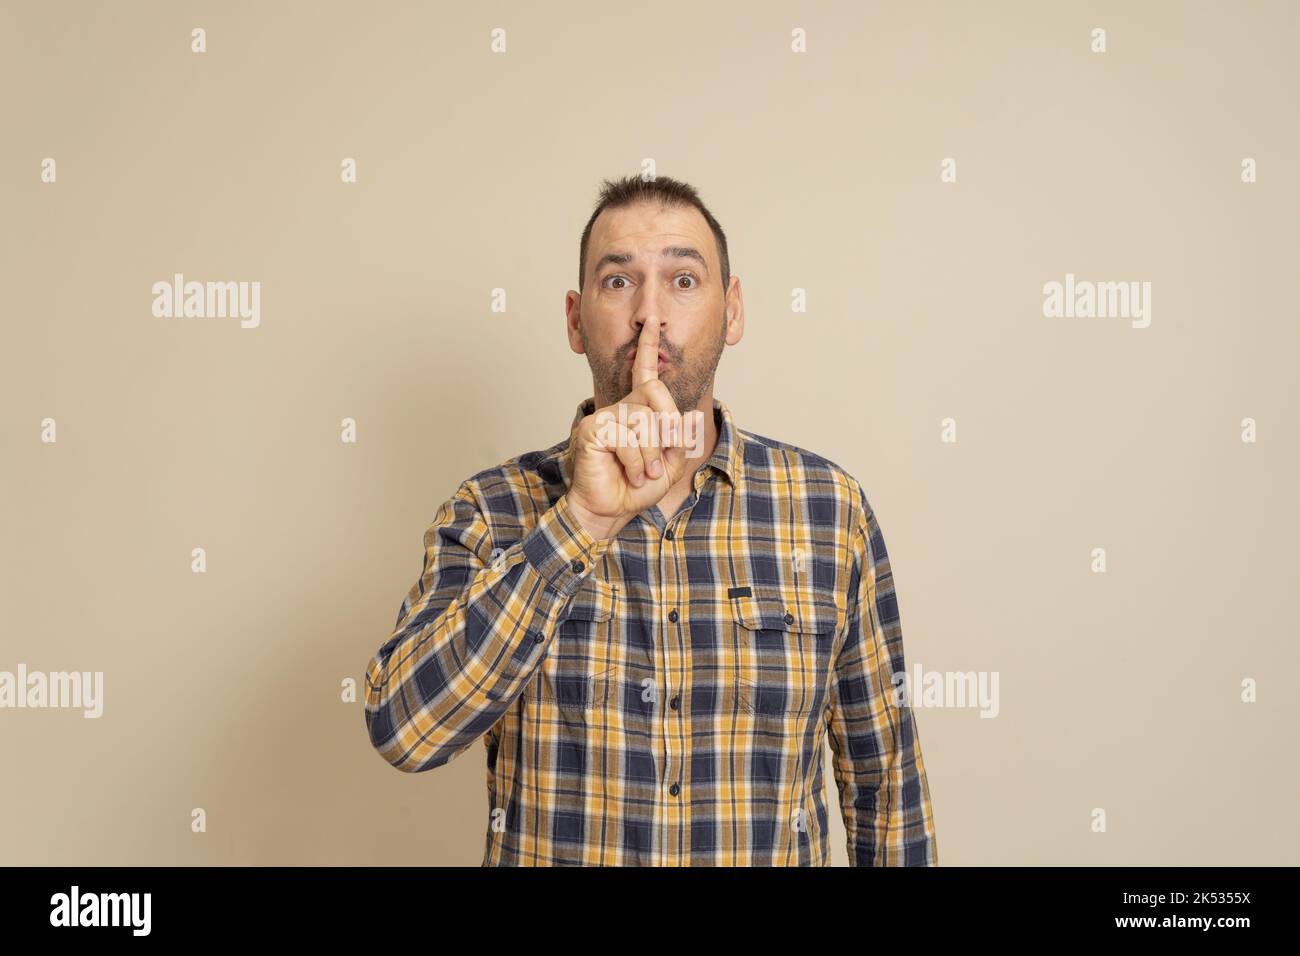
[[735, 304], [573, 320]]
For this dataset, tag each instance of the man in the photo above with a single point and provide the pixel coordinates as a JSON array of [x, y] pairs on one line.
[[653, 643]]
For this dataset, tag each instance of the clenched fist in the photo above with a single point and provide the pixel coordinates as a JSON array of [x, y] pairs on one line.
[[617, 470]]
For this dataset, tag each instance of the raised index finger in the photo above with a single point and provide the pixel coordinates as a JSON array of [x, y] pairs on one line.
[[645, 367]]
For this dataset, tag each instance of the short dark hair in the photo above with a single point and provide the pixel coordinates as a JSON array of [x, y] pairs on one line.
[[616, 193]]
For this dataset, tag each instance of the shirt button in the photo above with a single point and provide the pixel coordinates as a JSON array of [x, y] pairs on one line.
[[538, 638], [789, 618], [674, 790], [577, 566], [669, 534], [673, 703], [672, 615]]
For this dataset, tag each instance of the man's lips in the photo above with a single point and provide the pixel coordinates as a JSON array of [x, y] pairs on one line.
[[664, 360]]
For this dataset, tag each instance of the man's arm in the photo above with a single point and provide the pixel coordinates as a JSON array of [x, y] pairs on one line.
[[470, 635], [884, 794]]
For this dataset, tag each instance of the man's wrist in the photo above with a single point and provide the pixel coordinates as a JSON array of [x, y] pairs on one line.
[[602, 529]]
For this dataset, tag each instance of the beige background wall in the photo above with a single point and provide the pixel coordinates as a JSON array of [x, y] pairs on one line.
[[1118, 690]]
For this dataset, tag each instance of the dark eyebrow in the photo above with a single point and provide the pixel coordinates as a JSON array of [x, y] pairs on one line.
[[669, 252]]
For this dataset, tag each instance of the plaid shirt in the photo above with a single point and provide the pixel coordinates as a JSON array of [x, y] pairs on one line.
[[661, 698]]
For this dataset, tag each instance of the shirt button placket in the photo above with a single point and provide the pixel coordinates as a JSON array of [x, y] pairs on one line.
[[674, 830]]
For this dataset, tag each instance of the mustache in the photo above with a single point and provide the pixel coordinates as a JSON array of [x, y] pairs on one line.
[[629, 350]]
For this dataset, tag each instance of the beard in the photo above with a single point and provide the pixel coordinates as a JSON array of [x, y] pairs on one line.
[[688, 375]]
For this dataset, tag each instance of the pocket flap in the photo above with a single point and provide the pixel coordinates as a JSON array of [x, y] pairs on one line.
[[767, 609], [594, 601]]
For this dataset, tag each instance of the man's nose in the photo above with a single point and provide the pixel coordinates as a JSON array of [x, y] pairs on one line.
[[638, 323], [648, 306]]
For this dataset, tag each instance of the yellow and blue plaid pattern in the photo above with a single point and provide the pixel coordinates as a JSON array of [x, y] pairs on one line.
[[661, 698]]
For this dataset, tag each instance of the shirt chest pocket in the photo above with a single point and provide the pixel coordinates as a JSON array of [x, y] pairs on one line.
[[783, 652], [578, 673]]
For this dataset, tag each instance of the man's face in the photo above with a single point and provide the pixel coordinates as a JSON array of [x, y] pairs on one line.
[[650, 264]]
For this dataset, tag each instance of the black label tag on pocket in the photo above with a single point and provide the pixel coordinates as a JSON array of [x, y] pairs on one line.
[[739, 592]]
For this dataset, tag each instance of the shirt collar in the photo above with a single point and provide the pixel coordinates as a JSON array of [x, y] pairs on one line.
[[728, 453]]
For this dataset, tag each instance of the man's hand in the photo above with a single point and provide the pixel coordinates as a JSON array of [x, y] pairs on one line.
[[612, 483]]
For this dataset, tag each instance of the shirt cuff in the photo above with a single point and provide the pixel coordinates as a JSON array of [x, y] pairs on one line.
[[561, 550]]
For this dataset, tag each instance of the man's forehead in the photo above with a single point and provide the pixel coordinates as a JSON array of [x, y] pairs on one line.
[[649, 227]]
